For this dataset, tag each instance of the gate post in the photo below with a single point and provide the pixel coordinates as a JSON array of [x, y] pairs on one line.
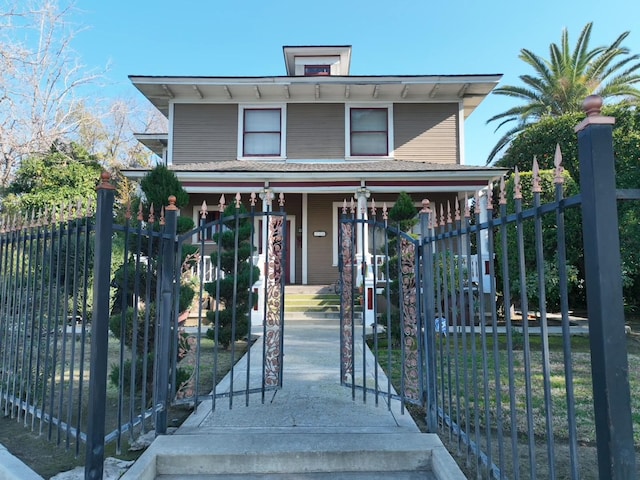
[[425, 285], [609, 363], [165, 316], [94, 458]]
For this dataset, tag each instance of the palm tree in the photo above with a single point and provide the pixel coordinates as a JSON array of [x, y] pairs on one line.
[[561, 83]]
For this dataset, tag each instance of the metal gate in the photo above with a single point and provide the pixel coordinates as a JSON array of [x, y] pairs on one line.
[[381, 309], [238, 271]]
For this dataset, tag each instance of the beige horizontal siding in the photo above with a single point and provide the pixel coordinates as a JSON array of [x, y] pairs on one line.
[[204, 133], [426, 132], [315, 131]]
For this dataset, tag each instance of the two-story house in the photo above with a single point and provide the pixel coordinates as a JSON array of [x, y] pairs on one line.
[[319, 136]]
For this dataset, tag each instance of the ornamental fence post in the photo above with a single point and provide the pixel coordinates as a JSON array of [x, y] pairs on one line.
[[94, 458], [609, 362], [165, 316]]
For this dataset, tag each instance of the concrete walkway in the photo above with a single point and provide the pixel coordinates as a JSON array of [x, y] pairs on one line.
[[311, 414]]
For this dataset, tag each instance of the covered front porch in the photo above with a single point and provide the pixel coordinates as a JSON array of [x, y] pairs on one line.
[[313, 195]]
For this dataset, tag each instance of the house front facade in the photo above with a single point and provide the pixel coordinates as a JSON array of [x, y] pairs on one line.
[[319, 136]]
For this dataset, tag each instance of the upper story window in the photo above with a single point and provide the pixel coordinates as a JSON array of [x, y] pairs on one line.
[[369, 132], [317, 70], [261, 132]]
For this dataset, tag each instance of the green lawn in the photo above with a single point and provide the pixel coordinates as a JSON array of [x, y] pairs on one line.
[[459, 364]]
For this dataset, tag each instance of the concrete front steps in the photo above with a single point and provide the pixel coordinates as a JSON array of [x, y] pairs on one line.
[[312, 303], [297, 456]]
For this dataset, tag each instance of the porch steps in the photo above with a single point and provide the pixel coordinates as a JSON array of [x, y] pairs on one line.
[[353, 456], [312, 306]]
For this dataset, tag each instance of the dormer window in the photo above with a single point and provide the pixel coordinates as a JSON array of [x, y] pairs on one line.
[[317, 70]]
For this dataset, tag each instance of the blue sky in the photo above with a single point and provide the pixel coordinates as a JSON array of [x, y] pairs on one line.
[[399, 37]]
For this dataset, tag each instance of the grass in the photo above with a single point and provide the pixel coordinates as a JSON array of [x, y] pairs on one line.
[[48, 457], [470, 384]]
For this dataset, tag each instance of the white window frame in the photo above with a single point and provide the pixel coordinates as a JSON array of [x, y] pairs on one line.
[[347, 132], [283, 131]]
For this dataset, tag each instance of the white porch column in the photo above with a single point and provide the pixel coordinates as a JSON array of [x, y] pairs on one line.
[[305, 236], [362, 235], [363, 255], [483, 275], [257, 315]]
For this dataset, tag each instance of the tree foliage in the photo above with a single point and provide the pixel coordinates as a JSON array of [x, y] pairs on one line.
[[239, 273], [574, 250], [40, 80], [67, 174], [540, 140], [159, 184], [560, 83]]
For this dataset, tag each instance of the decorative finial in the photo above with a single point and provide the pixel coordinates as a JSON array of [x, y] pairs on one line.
[[373, 208], [253, 199], [426, 206], [127, 210], [503, 192], [152, 217], [344, 206], [592, 105], [204, 210], [238, 200], [105, 181], [535, 187], [449, 220], [281, 199], [172, 203], [490, 196], [517, 190], [467, 210], [457, 211], [385, 212], [222, 203]]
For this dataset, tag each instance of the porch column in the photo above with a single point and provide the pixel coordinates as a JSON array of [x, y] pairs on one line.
[[483, 263], [362, 236], [305, 232], [363, 258], [257, 315]]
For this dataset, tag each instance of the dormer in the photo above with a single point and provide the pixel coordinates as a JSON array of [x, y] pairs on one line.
[[314, 61]]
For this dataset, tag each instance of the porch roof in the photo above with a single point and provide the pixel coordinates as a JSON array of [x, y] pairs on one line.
[[384, 175]]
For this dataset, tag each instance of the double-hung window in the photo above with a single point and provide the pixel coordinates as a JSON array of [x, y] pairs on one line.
[[369, 132], [261, 132]]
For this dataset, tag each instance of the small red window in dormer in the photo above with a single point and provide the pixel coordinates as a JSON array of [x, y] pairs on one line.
[[317, 70]]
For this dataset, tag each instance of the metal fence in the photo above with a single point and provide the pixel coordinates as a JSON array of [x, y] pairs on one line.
[[473, 321], [522, 393], [93, 349], [45, 310]]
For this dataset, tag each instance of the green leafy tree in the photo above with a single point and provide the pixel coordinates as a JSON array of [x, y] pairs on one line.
[[228, 303], [67, 174], [573, 233], [540, 140], [560, 83]]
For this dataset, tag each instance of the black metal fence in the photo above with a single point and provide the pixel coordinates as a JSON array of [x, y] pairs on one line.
[[93, 350], [517, 384], [45, 286]]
